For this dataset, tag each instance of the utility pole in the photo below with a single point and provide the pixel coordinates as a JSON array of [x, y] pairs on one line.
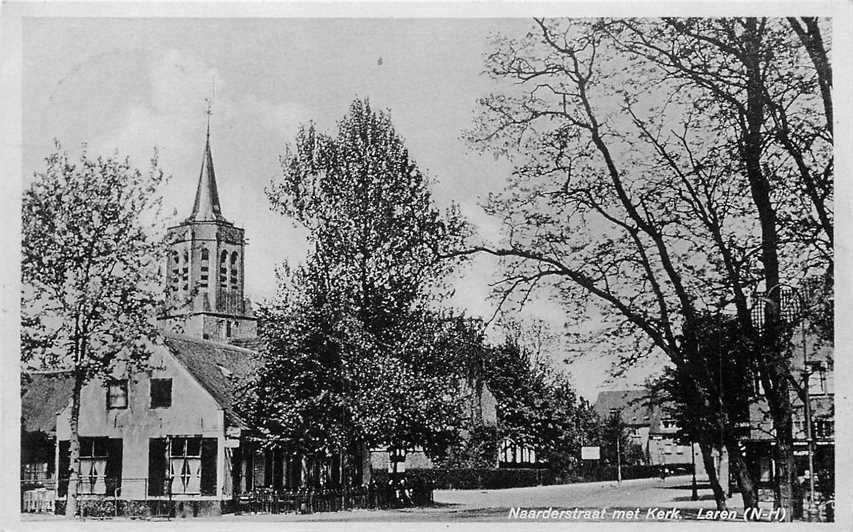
[[617, 415], [695, 495], [618, 459], [807, 372]]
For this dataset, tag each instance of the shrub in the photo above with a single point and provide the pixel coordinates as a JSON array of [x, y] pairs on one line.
[[473, 478]]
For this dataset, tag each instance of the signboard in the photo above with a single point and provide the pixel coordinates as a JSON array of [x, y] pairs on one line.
[[231, 443], [232, 432], [591, 453]]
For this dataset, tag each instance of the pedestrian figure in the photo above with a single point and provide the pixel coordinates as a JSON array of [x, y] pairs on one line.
[[663, 473], [405, 497]]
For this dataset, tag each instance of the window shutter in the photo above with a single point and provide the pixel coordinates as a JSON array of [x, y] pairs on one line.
[[156, 466], [113, 469], [64, 466], [209, 449]]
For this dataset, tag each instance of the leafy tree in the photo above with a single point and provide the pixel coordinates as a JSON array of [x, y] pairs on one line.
[[644, 188], [89, 271], [537, 405], [364, 294], [612, 429], [730, 387]]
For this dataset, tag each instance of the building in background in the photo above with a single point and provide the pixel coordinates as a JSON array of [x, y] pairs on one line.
[[812, 363], [649, 427]]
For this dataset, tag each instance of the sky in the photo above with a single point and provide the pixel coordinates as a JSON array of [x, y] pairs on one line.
[[135, 84]]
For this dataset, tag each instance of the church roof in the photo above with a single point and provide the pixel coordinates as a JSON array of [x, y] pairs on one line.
[[206, 207], [219, 368], [43, 396]]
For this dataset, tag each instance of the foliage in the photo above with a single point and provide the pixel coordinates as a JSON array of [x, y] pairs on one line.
[[475, 478], [537, 405], [371, 220], [89, 263], [730, 383], [476, 450], [614, 428]]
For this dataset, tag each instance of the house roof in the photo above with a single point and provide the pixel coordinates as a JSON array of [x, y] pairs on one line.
[[217, 367], [633, 405], [43, 395]]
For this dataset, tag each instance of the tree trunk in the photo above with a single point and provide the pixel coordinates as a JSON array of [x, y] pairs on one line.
[[710, 468], [745, 483], [784, 456], [772, 362], [74, 448]]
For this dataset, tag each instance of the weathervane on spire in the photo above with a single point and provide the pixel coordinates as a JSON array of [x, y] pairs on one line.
[[209, 101]]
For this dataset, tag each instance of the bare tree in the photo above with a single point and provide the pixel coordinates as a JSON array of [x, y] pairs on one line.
[[637, 186]]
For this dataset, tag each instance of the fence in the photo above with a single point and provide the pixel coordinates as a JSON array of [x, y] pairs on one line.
[[308, 500], [93, 502]]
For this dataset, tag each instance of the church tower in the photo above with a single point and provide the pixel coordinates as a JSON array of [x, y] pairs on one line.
[[205, 269]]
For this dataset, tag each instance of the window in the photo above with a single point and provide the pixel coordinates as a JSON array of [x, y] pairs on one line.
[[182, 464], [824, 428], [161, 393], [185, 465], [117, 394], [205, 267], [93, 465]]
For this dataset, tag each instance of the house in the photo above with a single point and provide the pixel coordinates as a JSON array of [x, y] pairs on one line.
[[649, 427], [169, 432], [634, 410]]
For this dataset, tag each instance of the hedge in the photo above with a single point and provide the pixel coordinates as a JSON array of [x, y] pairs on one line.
[[480, 478]]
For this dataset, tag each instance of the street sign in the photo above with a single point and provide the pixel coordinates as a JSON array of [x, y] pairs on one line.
[[591, 453]]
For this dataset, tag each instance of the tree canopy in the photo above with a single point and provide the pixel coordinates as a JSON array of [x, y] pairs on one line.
[[358, 343]]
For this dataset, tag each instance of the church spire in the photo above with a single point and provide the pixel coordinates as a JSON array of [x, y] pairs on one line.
[[206, 206]]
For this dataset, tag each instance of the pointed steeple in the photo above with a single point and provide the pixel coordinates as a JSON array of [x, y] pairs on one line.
[[206, 206]]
